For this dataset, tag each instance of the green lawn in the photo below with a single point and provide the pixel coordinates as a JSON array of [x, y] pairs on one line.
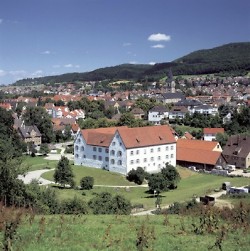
[[37, 163], [111, 232], [184, 128], [191, 184]]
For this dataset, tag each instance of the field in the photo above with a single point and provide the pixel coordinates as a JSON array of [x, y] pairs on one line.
[[111, 232], [191, 184], [37, 163]]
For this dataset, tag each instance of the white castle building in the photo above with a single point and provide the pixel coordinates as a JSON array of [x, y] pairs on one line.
[[119, 149]]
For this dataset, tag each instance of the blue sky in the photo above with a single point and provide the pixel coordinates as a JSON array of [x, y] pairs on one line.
[[49, 37]]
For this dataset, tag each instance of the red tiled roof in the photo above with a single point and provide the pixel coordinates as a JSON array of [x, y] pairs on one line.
[[188, 135], [197, 144], [197, 156], [213, 130], [146, 136]]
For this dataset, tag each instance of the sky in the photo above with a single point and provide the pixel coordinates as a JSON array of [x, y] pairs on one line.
[[51, 37]]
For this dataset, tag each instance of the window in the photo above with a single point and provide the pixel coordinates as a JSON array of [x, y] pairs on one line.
[[94, 157], [106, 158], [82, 148], [159, 149], [120, 143], [131, 162], [119, 153], [172, 155], [94, 149], [172, 147], [137, 152], [112, 161], [119, 162], [145, 159], [77, 156], [100, 157], [151, 150], [79, 140], [113, 143], [84, 156], [112, 152], [131, 152], [152, 158], [159, 165], [137, 161], [166, 148], [145, 151], [166, 156], [106, 150], [76, 148], [99, 149], [159, 157]]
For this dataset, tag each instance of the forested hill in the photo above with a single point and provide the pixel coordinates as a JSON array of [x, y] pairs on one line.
[[231, 58]]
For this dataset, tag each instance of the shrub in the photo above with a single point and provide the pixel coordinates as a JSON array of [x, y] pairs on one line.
[[74, 206], [87, 183], [137, 176]]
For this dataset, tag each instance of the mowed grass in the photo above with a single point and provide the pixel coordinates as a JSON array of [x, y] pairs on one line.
[[101, 177], [111, 232], [38, 163], [191, 184]]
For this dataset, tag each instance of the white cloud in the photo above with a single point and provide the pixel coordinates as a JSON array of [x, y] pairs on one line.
[[151, 63], [68, 65], [158, 46], [1, 20], [46, 52], [2, 73], [56, 66], [126, 44], [159, 37]]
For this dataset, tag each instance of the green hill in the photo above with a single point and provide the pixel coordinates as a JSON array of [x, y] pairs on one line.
[[233, 58]]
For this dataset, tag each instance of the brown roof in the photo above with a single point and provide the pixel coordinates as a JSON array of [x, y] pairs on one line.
[[197, 156], [213, 130], [146, 136], [188, 135], [131, 137], [100, 136], [196, 144]]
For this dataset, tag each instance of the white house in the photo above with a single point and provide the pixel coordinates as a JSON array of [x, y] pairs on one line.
[[119, 149], [157, 113], [209, 134]]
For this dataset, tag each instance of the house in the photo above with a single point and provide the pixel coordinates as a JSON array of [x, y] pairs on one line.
[[138, 113], [157, 113], [169, 98], [209, 134], [201, 154], [188, 135], [74, 130], [237, 151], [177, 112], [30, 134], [119, 149], [205, 109]]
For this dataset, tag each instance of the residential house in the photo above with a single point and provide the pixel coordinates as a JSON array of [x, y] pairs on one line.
[[158, 113], [209, 134], [201, 154], [119, 149], [237, 151], [138, 113], [30, 134], [188, 135], [177, 112], [205, 109]]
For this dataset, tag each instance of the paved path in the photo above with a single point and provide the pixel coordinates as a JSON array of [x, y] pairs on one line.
[[36, 175]]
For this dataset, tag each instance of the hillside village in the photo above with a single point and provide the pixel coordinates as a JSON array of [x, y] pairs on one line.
[[170, 105]]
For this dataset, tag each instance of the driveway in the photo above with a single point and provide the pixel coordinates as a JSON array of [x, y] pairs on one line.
[[36, 175]]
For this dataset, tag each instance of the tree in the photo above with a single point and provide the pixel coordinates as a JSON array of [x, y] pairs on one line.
[[127, 119], [167, 179], [222, 138], [44, 149], [39, 117], [63, 173], [87, 183], [104, 203], [137, 175]]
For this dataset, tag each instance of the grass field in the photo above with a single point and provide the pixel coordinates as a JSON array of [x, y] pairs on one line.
[[37, 163], [191, 184], [106, 232]]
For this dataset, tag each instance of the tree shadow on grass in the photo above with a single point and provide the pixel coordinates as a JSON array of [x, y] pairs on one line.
[[152, 195], [61, 187]]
